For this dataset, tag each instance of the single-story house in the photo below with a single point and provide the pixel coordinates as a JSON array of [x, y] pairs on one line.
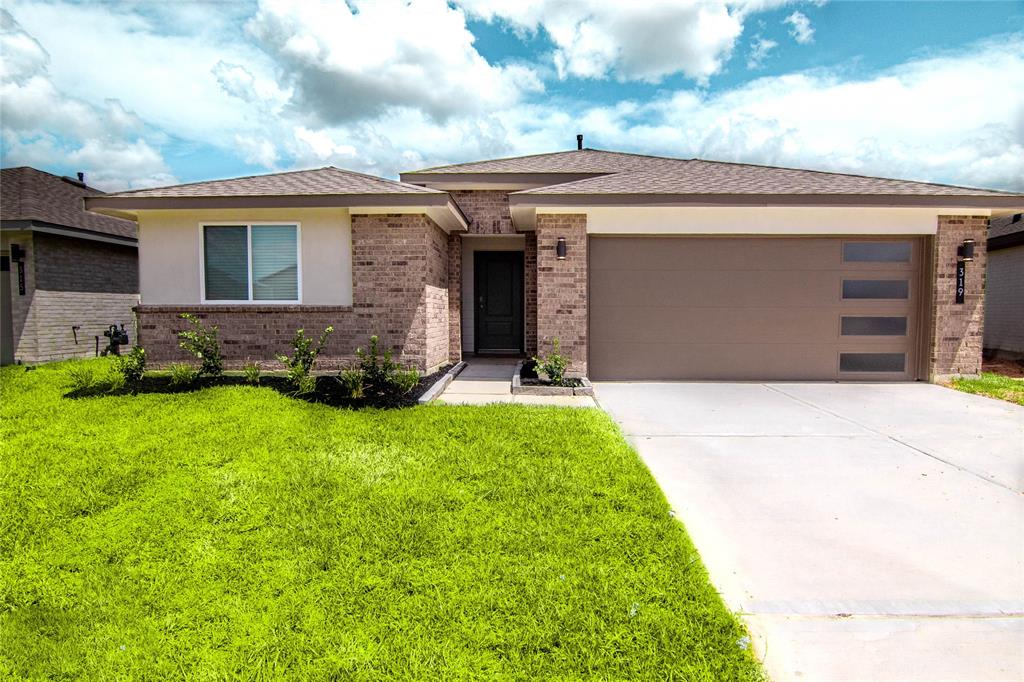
[[1004, 294], [643, 267], [66, 274]]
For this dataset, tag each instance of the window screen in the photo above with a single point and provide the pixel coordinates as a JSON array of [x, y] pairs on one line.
[[872, 362], [876, 288], [227, 262], [275, 271], [877, 252], [874, 326]]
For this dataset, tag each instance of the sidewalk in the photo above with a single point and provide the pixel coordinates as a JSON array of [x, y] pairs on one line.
[[489, 380]]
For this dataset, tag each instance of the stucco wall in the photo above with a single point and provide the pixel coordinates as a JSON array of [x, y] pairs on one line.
[[1004, 300], [170, 252]]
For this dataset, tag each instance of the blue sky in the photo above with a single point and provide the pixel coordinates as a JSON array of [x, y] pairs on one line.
[[140, 93]]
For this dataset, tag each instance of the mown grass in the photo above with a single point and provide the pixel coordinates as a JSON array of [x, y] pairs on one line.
[[993, 386], [234, 533]]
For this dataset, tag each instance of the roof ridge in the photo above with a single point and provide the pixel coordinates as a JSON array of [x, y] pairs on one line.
[[243, 177], [426, 190], [543, 154], [849, 175]]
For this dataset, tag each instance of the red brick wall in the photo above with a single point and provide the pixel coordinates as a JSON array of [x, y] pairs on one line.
[[486, 209], [454, 297], [957, 330], [562, 287], [399, 274]]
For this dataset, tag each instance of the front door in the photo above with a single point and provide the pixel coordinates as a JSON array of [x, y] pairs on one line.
[[498, 290]]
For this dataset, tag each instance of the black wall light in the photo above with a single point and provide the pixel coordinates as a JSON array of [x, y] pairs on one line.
[[17, 253], [560, 248], [965, 252]]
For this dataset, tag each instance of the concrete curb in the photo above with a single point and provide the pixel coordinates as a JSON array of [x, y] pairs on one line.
[[437, 389], [586, 389]]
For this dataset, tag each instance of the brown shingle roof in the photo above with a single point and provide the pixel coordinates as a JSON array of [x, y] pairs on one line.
[[1005, 225], [580, 161], [30, 194], [320, 181], [696, 176]]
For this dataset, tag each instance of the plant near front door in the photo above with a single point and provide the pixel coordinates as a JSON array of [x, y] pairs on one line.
[[552, 365]]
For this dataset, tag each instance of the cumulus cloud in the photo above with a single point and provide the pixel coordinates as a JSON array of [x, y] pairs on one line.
[[759, 50], [352, 61], [800, 28], [44, 126]]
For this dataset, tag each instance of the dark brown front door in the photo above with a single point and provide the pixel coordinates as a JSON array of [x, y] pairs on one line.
[[498, 290]]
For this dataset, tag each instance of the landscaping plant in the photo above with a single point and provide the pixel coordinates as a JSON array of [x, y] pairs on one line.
[[128, 369], [82, 378], [203, 344], [183, 374], [552, 365], [251, 372], [300, 364], [377, 375]]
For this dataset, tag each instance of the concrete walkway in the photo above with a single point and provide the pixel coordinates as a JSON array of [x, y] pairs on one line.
[[489, 380], [865, 531]]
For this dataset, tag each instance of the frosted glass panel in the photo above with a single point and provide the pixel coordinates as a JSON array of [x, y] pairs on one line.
[[872, 362], [874, 326], [876, 288], [877, 252]]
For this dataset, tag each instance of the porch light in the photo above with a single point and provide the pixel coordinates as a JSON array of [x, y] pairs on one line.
[[560, 248], [965, 253]]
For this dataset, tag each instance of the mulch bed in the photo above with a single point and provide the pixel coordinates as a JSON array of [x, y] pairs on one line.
[[1007, 368], [328, 390], [528, 377]]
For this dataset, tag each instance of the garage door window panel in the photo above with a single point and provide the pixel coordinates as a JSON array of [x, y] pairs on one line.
[[873, 326], [872, 362], [876, 289], [888, 252]]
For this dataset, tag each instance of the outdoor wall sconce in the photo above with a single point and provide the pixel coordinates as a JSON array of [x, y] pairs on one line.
[[17, 253], [560, 248], [965, 251]]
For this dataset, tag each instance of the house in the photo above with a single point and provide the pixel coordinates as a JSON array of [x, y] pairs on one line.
[[643, 267], [1004, 295], [66, 274]]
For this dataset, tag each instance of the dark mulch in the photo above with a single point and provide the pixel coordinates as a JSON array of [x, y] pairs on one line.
[[329, 390], [1004, 367], [528, 377]]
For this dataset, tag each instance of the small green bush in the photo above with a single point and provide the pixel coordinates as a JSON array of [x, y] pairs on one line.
[[203, 344], [251, 372], [183, 374], [553, 365], [303, 359], [130, 367], [82, 378], [377, 375]]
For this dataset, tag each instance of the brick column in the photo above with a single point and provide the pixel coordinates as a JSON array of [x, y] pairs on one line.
[[957, 329], [562, 287], [454, 297], [530, 291]]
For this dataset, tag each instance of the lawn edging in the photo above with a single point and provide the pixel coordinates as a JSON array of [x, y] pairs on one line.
[[518, 388], [437, 389]]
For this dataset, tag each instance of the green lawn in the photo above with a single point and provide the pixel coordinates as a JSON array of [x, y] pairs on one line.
[[993, 386], [237, 533]]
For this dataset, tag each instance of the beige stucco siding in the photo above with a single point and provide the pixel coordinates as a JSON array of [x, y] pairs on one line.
[[170, 252]]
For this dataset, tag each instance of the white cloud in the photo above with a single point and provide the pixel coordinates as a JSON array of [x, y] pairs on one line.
[[759, 50], [800, 28], [353, 61]]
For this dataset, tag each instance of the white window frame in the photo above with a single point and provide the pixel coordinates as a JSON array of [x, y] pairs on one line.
[[248, 225]]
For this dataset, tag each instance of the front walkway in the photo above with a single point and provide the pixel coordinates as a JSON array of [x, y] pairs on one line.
[[489, 380], [865, 531]]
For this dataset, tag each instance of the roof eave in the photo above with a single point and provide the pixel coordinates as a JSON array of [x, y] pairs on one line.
[[493, 180], [539, 200]]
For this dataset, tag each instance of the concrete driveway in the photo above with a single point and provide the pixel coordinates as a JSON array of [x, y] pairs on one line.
[[866, 531]]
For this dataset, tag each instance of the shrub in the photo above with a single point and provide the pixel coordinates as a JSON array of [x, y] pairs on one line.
[[377, 375], [130, 368], [303, 359], [203, 344], [553, 365], [183, 374], [251, 372], [82, 378]]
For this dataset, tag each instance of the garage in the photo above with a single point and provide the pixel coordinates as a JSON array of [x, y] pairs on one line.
[[755, 308]]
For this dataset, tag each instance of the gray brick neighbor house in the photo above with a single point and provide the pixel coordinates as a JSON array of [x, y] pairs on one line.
[[643, 267], [66, 274], [1004, 288]]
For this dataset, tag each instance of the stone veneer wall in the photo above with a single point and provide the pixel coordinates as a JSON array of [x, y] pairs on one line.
[[562, 287], [957, 330], [399, 273]]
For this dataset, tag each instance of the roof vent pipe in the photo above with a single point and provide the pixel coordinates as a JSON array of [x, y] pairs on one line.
[[579, 141], [81, 176]]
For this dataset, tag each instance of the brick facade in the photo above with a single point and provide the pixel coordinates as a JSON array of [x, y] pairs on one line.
[[455, 297], [487, 210], [530, 287], [66, 303], [562, 287], [957, 330], [400, 293]]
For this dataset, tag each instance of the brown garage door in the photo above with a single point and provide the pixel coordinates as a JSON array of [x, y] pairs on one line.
[[749, 308]]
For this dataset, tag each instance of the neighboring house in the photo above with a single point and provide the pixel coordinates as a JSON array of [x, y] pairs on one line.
[[1004, 287], [66, 274], [643, 267]]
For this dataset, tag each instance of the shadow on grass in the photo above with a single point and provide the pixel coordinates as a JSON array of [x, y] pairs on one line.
[[328, 391]]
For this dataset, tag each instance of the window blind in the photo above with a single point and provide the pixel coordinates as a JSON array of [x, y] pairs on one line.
[[275, 268], [227, 262]]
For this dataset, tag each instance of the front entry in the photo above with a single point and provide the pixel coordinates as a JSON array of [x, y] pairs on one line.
[[498, 294]]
